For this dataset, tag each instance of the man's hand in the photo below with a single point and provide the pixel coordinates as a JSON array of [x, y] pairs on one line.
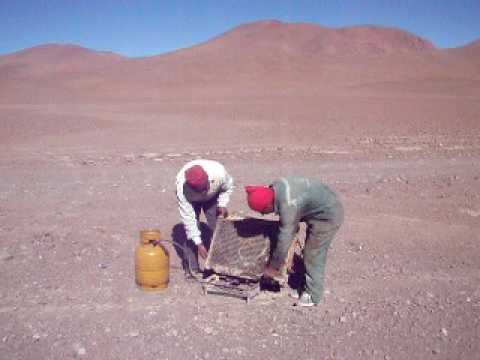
[[270, 272], [222, 212], [202, 251]]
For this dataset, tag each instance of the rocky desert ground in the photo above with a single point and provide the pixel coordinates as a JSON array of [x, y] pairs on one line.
[[89, 154]]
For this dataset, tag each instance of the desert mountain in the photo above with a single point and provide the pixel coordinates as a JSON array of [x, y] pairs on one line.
[[470, 51], [311, 40], [252, 58], [54, 58]]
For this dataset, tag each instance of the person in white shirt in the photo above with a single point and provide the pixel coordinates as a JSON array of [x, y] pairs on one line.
[[201, 185]]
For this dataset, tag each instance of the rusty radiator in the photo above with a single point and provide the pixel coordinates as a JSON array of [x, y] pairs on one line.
[[239, 250], [241, 247]]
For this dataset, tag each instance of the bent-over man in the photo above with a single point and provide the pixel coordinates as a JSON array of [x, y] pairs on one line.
[[201, 185], [297, 199]]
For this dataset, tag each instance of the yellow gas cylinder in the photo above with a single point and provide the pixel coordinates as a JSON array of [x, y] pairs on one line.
[[152, 262]]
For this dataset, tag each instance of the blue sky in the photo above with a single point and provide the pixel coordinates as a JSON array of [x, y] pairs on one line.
[[138, 28]]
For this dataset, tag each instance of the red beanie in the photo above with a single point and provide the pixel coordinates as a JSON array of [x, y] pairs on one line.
[[259, 198], [196, 178]]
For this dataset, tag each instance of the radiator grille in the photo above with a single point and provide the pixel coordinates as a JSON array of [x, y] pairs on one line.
[[241, 247]]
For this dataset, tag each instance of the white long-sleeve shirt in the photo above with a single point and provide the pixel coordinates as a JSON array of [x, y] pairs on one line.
[[221, 183]]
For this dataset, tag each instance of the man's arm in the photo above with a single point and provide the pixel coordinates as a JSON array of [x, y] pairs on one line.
[[187, 214], [287, 231], [225, 191]]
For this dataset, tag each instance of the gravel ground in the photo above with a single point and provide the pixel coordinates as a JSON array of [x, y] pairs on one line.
[[402, 279]]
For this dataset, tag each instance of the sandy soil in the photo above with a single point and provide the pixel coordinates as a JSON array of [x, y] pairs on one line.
[[403, 275], [81, 176]]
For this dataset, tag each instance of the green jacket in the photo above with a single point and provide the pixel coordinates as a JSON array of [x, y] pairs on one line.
[[299, 199]]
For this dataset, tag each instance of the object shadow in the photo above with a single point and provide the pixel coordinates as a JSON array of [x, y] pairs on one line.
[[251, 227]]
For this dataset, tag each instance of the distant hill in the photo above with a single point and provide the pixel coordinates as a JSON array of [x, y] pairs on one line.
[[255, 58], [471, 50], [53, 58], [310, 40]]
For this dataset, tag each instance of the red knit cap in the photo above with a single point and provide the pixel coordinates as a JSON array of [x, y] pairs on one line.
[[196, 178], [259, 198]]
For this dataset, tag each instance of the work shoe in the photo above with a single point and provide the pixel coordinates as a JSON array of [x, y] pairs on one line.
[[193, 275], [305, 300], [293, 293], [207, 273]]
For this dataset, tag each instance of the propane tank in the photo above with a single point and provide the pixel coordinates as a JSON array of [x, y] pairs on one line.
[[152, 262]]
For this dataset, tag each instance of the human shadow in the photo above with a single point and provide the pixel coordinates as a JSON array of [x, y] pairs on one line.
[[182, 245], [296, 276]]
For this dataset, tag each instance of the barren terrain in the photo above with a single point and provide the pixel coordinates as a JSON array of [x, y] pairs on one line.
[[82, 173]]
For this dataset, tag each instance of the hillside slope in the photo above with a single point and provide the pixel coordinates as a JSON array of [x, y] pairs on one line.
[[261, 58]]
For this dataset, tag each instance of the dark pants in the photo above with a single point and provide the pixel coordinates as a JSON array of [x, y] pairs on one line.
[[191, 252], [320, 234]]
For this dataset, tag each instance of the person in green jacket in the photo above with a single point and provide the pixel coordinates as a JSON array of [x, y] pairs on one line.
[[297, 199]]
